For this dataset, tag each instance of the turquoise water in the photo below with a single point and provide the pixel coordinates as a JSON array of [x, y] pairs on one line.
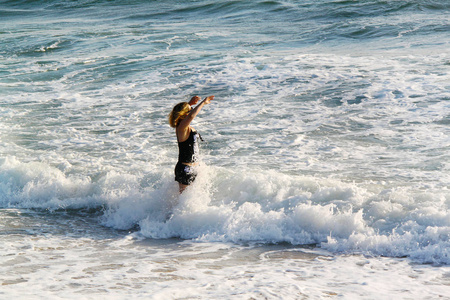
[[329, 128]]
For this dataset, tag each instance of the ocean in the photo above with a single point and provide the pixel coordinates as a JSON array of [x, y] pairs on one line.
[[325, 171]]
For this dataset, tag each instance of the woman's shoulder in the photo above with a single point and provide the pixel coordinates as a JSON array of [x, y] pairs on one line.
[[183, 134]]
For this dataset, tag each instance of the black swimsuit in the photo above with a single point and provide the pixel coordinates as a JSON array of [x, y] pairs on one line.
[[188, 150], [188, 153]]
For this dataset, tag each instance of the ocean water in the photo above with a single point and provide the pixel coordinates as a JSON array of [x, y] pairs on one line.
[[326, 167]]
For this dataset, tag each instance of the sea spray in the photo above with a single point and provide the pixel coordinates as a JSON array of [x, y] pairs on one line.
[[39, 185], [326, 215], [260, 206]]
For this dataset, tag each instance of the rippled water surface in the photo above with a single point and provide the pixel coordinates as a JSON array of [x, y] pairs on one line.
[[328, 135]]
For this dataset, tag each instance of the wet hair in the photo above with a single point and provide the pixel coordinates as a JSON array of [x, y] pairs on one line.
[[178, 113]]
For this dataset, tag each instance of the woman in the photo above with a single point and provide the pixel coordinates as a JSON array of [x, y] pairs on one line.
[[180, 118]]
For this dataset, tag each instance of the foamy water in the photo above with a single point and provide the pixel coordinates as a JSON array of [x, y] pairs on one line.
[[327, 150]]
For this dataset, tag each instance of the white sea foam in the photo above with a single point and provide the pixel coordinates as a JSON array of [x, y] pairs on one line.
[[247, 206], [325, 172], [289, 160], [119, 268]]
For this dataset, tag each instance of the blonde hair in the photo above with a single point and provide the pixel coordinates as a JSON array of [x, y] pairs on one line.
[[178, 113]]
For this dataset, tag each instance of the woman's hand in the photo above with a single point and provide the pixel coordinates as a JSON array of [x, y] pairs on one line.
[[208, 99], [194, 100], [183, 126]]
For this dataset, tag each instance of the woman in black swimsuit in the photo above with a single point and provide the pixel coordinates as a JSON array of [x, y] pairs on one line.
[[180, 118]]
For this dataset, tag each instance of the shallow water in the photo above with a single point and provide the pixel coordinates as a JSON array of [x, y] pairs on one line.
[[71, 264]]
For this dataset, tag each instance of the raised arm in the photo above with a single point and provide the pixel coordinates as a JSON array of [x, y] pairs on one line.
[[183, 126]]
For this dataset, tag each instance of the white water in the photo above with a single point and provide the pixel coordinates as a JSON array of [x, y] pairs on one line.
[[299, 166], [325, 172]]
